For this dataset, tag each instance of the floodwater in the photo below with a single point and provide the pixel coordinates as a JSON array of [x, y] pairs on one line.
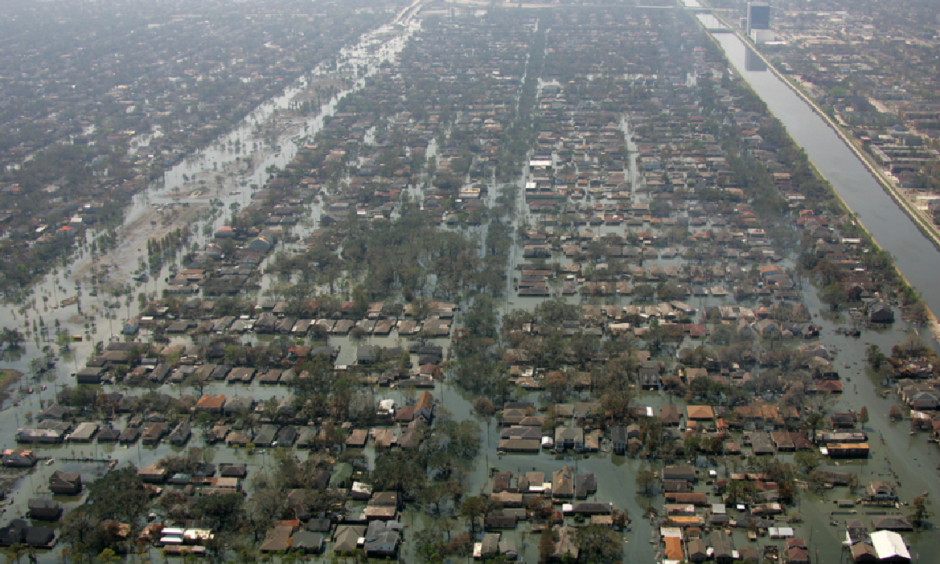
[[897, 455], [909, 456], [913, 253], [240, 160]]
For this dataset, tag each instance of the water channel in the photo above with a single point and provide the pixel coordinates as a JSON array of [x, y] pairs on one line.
[[914, 255]]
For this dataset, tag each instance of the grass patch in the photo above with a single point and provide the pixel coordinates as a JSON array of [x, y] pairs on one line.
[[8, 377]]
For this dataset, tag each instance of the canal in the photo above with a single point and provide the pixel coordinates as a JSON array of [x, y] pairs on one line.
[[914, 255]]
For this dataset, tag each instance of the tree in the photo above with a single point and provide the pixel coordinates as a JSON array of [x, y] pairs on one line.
[[108, 555], [919, 510], [430, 546], [15, 551], [547, 544], [597, 543], [895, 413], [264, 507], [484, 409], [472, 509], [226, 509], [119, 496], [875, 357], [556, 384], [11, 338], [808, 460], [398, 470], [917, 313], [645, 480], [863, 416], [813, 422]]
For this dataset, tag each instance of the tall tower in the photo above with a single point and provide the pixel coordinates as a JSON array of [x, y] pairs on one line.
[[758, 16]]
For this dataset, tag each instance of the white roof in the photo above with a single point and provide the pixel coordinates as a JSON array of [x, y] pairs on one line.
[[889, 544], [667, 532]]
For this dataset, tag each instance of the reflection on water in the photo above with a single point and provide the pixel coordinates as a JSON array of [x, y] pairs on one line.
[[753, 62]]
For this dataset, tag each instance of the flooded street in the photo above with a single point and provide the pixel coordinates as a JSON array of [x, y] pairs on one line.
[[200, 193]]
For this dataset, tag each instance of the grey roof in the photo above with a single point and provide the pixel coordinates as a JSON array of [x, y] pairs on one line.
[[306, 540]]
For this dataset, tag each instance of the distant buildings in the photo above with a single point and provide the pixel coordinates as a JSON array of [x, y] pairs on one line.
[[758, 16]]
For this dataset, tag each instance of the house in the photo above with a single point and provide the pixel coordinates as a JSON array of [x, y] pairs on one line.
[[265, 436], [277, 539], [891, 523], [925, 401], [83, 433], [154, 474], [20, 458], [669, 415], [385, 499], [229, 470], [153, 433], [129, 436], [520, 445], [425, 406], [55, 411], [797, 555], [234, 406], [65, 483], [20, 532], [489, 547], [381, 540], [618, 438], [880, 312], [686, 473], [308, 542], [880, 490], [890, 547], [565, 545], [590, 508], [698, 551], [569, 438], [850, 450], [346, 538], [89, 375], [108, 435], [499, 521], [585, 485], [286, 436], [563, 483], [181, 433], [700, 413], [687, 498], [44, 509], [721, 544]]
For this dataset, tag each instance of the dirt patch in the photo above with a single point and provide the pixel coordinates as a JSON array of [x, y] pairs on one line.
[[8, 377], [9, 477], [154, 223]]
